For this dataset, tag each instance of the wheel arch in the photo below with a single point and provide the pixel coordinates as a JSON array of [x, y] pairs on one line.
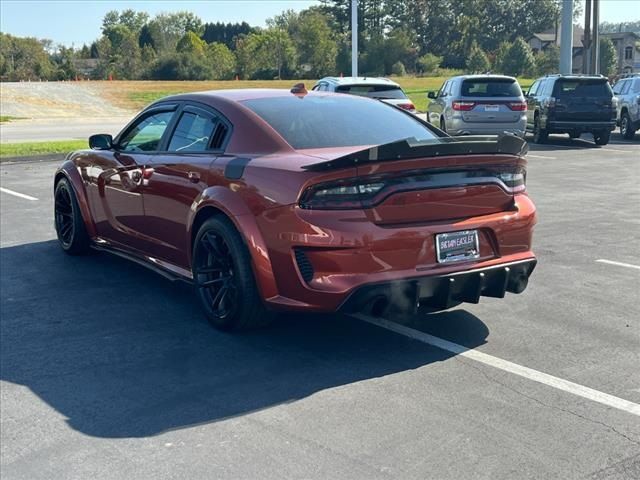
[[69, 171], [222, 201]]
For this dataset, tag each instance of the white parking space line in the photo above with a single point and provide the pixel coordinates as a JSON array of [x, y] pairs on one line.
[[17, 194], [619, 150], [505, 365], [541, 156], [618, 264]]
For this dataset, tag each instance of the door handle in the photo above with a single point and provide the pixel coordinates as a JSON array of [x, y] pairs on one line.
[[194, 177]]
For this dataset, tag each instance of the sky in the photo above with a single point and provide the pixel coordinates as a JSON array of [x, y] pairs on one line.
[[74, 22]]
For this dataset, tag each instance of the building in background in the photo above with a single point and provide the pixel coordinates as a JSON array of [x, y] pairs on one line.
[[627, 45]]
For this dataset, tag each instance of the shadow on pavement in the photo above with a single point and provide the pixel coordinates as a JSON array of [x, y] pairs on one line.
[[584, 142], [121, 352]]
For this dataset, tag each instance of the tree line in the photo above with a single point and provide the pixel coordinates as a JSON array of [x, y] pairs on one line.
[[395, 37]]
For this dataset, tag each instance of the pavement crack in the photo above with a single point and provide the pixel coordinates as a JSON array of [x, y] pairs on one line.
[[492, 379]]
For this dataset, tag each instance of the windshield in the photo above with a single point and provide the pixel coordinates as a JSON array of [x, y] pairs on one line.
[[373, 91], [321, 121], [582, 88], [490, 87]]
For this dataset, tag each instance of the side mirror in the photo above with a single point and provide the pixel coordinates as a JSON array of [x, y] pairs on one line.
[[101, 141], [431, 94]]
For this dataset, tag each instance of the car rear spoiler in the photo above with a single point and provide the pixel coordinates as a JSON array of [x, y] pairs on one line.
[[442, 147]]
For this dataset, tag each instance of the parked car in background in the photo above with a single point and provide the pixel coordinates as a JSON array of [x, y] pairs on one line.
[[269, 200], [373, 87], [478, 104], [627, 95], [573, 104]]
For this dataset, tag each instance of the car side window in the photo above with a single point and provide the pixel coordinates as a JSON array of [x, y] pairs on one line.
[[534, 88], [547, 87], [451, 86], [617, 88], [625, 87], [146, 135], [193, 133], [636, 86], [443, 89]]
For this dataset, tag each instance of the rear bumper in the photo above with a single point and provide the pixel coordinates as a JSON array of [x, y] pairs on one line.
[[564, 127], [440, 291], [457, 126], [320, 259]]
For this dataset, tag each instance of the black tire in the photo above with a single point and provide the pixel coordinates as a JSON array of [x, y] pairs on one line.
[[540, 135], [443, 125], [68, 221], [626, 130], [602, 138], [224, 280]]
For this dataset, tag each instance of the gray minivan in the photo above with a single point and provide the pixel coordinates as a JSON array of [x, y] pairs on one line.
[[479, 105]]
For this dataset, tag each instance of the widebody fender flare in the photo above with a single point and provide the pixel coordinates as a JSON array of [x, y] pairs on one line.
[[233, 206], [69, 170]]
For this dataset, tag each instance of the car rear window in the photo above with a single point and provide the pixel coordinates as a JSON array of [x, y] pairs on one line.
[[372, 91], [490, 87], [582, 88], [321, 121]]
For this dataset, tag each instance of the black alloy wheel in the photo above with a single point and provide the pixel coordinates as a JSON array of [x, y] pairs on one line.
[[224, 280], [68, 221], [215, 276]]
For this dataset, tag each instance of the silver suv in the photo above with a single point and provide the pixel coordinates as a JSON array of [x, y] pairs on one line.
[[379, 88], [479, 104], [627, 93]]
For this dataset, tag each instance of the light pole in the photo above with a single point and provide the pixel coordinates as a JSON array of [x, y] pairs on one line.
[[566, 38], [354, 38]]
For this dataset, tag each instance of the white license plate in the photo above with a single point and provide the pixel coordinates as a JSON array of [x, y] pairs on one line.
[[457, 246], [492, 108]]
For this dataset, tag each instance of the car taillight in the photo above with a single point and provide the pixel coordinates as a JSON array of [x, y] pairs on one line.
[[514, 181], [550, 102], [638, 99], [517, 106], [407, 106], [339, 195], [463, 106], [366, 192]]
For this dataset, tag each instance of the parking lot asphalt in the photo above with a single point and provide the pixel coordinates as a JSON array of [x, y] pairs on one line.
[[110, 371]]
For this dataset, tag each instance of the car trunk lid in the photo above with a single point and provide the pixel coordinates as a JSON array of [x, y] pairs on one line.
[[450, 178]]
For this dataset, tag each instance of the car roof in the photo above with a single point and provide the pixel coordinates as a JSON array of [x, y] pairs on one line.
[[340, 81], [234, 95], [482, 76]]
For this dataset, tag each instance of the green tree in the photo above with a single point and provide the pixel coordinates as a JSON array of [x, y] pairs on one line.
[[477, 61], [181, 66], [315, 42], [25, 59], [519, 60], [429, 63], [191, 43], [608, 57], [266, 54], [222, 61], [166, 29], [398, 69], [548, 61], [500, 57]]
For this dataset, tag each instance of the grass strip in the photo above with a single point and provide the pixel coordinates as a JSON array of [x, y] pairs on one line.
[[27, 149]]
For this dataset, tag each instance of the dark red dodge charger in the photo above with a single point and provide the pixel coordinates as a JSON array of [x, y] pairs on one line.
[[272, 200]]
